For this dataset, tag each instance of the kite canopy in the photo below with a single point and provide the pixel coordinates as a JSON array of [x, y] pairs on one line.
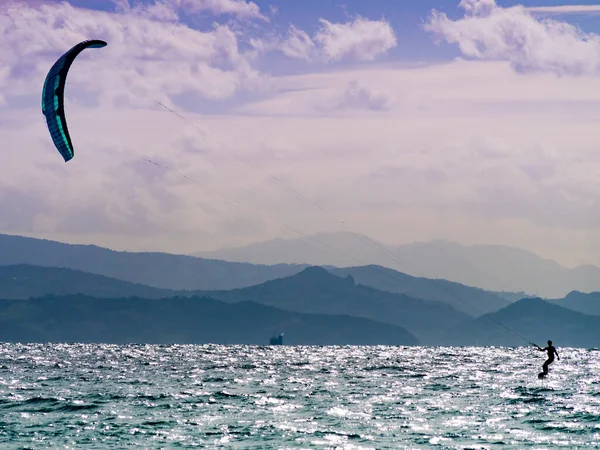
[[53, 97]]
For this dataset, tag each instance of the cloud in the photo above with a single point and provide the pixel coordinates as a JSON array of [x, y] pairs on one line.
[[474, 159], [478, 7], [146, 60], [358, 40], [489, 147], [298, 45], [168, 10], [565, 9], [513, 34], [357, 96], [465, 150], [152, 57], [349, 96], [362, 39], [241, 8]]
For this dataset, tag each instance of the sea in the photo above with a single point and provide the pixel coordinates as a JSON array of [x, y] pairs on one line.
[[94, 396]]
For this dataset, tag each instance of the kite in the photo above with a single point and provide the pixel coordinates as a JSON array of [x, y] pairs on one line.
[[53, 97]]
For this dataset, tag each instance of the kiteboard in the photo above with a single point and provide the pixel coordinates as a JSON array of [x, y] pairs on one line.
[[542, 375]]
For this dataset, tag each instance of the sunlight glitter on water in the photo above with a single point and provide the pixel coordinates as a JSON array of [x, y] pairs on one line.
[[103, 396]]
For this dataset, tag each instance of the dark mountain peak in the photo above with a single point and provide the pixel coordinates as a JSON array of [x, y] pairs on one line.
[[530, 307], [532, 320], [528, 304], [473, 301], [316, 275], [314, 271], [582, 294], [581, 302]]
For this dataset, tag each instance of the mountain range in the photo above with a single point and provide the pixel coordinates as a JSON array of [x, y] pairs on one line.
[[161, 270], [502, 271], [310, 304], [584, 303], [315, 290], [178, 320], [532, 319], [179, 274], [313, 307], [490, 267], [470, 300], [24, 281]]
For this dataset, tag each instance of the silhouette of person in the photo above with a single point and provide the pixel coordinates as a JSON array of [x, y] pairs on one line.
[[551, 351]]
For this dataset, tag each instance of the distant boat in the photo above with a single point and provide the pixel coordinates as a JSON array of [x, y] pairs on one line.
[[276, 340]]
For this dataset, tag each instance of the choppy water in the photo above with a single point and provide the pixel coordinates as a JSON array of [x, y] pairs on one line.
[[103, 396]]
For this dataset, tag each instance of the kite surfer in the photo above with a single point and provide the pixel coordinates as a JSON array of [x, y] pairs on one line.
[[551, 352]]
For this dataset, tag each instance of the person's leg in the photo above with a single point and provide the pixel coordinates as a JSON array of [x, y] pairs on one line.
[[546, 364]]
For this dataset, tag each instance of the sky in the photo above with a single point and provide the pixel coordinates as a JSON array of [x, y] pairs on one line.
[[206, 124]]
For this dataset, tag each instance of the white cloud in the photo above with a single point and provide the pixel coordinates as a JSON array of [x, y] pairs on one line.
[[4, 83], [468, 150], [349, 96], [358, 40], [145, 60], [164, 11], [150, 55], [474, 159], [168, 9], [514, 34], [565, 9], [241, 8], [513, 155], [362, 39], [298, 45], [478, 7], [357, 96]]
